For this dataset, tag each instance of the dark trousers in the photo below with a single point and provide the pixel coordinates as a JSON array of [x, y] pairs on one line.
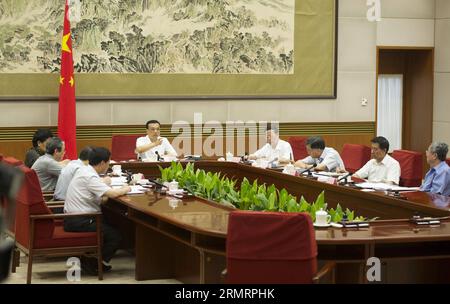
[[111, 236]]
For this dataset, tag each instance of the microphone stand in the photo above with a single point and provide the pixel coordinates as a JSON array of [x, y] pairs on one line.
[[159, 158], [308, 170], [344, 179]]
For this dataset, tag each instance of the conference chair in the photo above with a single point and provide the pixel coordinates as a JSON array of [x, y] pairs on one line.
[[272, 248], [298, 145], [448, 161], [37, 233], [355, 156], [123, 146], [12, 161], [411, 165]]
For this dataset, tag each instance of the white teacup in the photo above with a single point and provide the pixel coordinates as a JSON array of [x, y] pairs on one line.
[[289, 169], [322, 217], [173, 186], [117, 169], [137, 177], [229, 156]]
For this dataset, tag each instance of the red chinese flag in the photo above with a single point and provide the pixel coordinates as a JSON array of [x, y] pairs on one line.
[[67, 110]]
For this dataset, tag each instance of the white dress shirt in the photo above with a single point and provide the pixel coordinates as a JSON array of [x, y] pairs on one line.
[[283, 150], [67, 173], [388, 170], [164, 148], [85, 191], [330, 158]]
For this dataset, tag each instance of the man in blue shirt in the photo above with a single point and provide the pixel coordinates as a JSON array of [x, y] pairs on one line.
[[437, 179]]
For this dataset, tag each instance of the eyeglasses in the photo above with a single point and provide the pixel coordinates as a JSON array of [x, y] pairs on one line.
[[154, 129]]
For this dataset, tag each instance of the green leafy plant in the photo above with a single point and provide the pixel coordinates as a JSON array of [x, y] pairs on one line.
[[249, 196]]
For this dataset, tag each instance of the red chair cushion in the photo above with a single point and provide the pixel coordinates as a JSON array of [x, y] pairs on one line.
[[12, 161], [61, 238], [411, 164], [270, 247], [123, 147], [298, 145], [355, 156]]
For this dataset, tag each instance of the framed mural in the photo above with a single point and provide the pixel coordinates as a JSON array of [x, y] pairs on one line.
[[172, 48]]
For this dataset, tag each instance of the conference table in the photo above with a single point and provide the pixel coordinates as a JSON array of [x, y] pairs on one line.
[[185, 238]]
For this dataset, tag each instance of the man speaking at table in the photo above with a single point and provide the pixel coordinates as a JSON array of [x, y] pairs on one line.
[[153, 145]]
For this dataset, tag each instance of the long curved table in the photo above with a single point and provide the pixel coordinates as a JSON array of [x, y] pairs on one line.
[[185, 239]]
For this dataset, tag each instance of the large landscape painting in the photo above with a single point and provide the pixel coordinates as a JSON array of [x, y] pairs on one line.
[[151, 36]]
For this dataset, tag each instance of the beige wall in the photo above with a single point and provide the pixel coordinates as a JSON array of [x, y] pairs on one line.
[[404, 23], [441, 116]]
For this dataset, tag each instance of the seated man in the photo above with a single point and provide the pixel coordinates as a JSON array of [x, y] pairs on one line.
[[68, 172], [382, 168], [85, 194], [437, 179], [325, 158], [275, 148], [48, 167], [146, 146], [40, 139]]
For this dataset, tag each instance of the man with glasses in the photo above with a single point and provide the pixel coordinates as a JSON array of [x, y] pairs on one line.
[[324, 158], [382, 168], [437, 179], [147, 146]]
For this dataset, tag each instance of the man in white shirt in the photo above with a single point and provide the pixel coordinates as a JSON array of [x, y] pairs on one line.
[[382, 168], [86, 192], [68, 172], [323, 158], [146, 146], [275, 148]]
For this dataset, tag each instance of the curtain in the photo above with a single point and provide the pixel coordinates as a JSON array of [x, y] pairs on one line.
[[390, 108]]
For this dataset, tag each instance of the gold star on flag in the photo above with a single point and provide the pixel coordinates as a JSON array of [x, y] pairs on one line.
[[65, 46], [61, 80], [71, 81]]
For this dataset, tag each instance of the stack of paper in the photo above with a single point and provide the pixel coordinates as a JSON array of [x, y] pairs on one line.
[[118, 181], [137, 190], [385, 187]]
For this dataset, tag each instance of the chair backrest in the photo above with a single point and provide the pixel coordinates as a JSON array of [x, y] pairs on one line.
[[298, 144], [355, 156], [12, 161], [1, 157], [448, 161], [123, 147], [270, 247], [31, 202], [411, 165]]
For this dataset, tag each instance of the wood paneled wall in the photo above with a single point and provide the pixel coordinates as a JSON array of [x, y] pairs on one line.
[[16, 141]]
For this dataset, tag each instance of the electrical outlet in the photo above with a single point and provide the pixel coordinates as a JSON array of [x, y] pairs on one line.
[[364, 102]]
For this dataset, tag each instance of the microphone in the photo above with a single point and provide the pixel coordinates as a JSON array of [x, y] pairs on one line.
[[344, 178], [159, 158], [308, 170]]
